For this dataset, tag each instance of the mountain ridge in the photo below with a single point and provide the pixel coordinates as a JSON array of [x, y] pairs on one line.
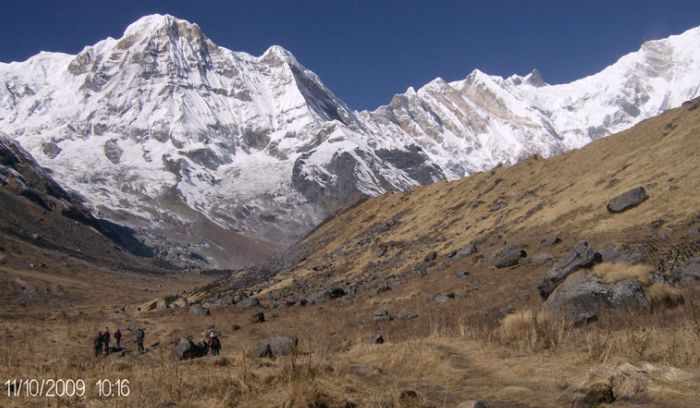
[[163, 128]]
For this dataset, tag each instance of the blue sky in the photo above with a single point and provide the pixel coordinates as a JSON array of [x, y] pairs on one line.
[[368, 50]]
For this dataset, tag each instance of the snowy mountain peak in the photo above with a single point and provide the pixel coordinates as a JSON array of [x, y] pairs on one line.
[[189, 142]]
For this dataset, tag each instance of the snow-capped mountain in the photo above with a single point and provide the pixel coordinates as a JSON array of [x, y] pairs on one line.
[[209, 152]]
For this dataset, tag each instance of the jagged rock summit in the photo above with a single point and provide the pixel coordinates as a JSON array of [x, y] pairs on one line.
[[208, 152]]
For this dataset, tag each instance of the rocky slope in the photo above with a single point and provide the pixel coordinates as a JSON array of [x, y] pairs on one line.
[[39, 216], [218, 157], [528, 217]]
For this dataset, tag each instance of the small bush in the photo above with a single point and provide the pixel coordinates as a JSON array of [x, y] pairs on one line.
[[661, 295]]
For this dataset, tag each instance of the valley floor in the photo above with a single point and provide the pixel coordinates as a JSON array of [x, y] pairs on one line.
[[440, 359]]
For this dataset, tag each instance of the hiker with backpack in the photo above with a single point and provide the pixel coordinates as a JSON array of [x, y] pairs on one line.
[[140, 335], [105, 340], [98, 341], [118, 338], [214, 344]]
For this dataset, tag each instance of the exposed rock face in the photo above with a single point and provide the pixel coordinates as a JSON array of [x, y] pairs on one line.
[[627, 200], [582, 256], [227, 147], [582, 297]]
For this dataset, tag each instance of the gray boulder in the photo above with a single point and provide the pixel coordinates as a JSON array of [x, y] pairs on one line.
[[510, 256], [627, 200], [431, 256], [381, 315], [687, 272], [324, 295], [377, 339], [541, 258], [283, 345], [248, 303], [186, 349], [198, 310], [582, 298], [406, 314], [469, 250], [276, 346], [581, 256]]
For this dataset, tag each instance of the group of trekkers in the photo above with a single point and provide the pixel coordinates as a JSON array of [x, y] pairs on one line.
[[103, 338]]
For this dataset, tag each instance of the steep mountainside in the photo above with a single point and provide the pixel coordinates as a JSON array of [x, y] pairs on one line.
[[208, 152], [387, 240], [38, 213]]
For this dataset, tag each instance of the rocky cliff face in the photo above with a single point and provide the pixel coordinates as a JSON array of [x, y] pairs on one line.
[[220, 157]]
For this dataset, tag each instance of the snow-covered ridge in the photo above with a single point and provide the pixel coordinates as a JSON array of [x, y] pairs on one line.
[[162, 129]]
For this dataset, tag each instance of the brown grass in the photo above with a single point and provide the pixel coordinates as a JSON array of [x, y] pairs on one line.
[[609, 272]]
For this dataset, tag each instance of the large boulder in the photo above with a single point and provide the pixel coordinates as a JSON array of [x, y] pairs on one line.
[[582, 297], [581, 256], [277, 346], [186, 349], [199, 310], [510, 256], [627, 200]]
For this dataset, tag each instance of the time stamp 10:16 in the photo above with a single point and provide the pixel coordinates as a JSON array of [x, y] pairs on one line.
[[60, 387]]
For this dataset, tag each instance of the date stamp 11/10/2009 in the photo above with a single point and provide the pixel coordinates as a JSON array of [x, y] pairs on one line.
[[65, 387]]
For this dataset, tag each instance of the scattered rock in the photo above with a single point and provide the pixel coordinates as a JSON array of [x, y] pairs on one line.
[[431, 256], [510, 256], [2, 259], [198, 310], [443, 298], [36, 236], [378, 339], [406, 314], [328, 294], [581, 256], [248, 303], [469, 250], [582, 297], [552, 240], [257, 318], [186, 349], [627, 200], [235, 327], [381, 315], [694, 230], [462, 274]]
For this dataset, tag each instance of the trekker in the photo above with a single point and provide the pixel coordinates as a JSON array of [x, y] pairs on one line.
[[140, 334], [214, 344], [98, 344], [106, 337], [118, 338]]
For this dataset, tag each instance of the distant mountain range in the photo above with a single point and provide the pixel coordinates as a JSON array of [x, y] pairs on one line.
[[218, 158]]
